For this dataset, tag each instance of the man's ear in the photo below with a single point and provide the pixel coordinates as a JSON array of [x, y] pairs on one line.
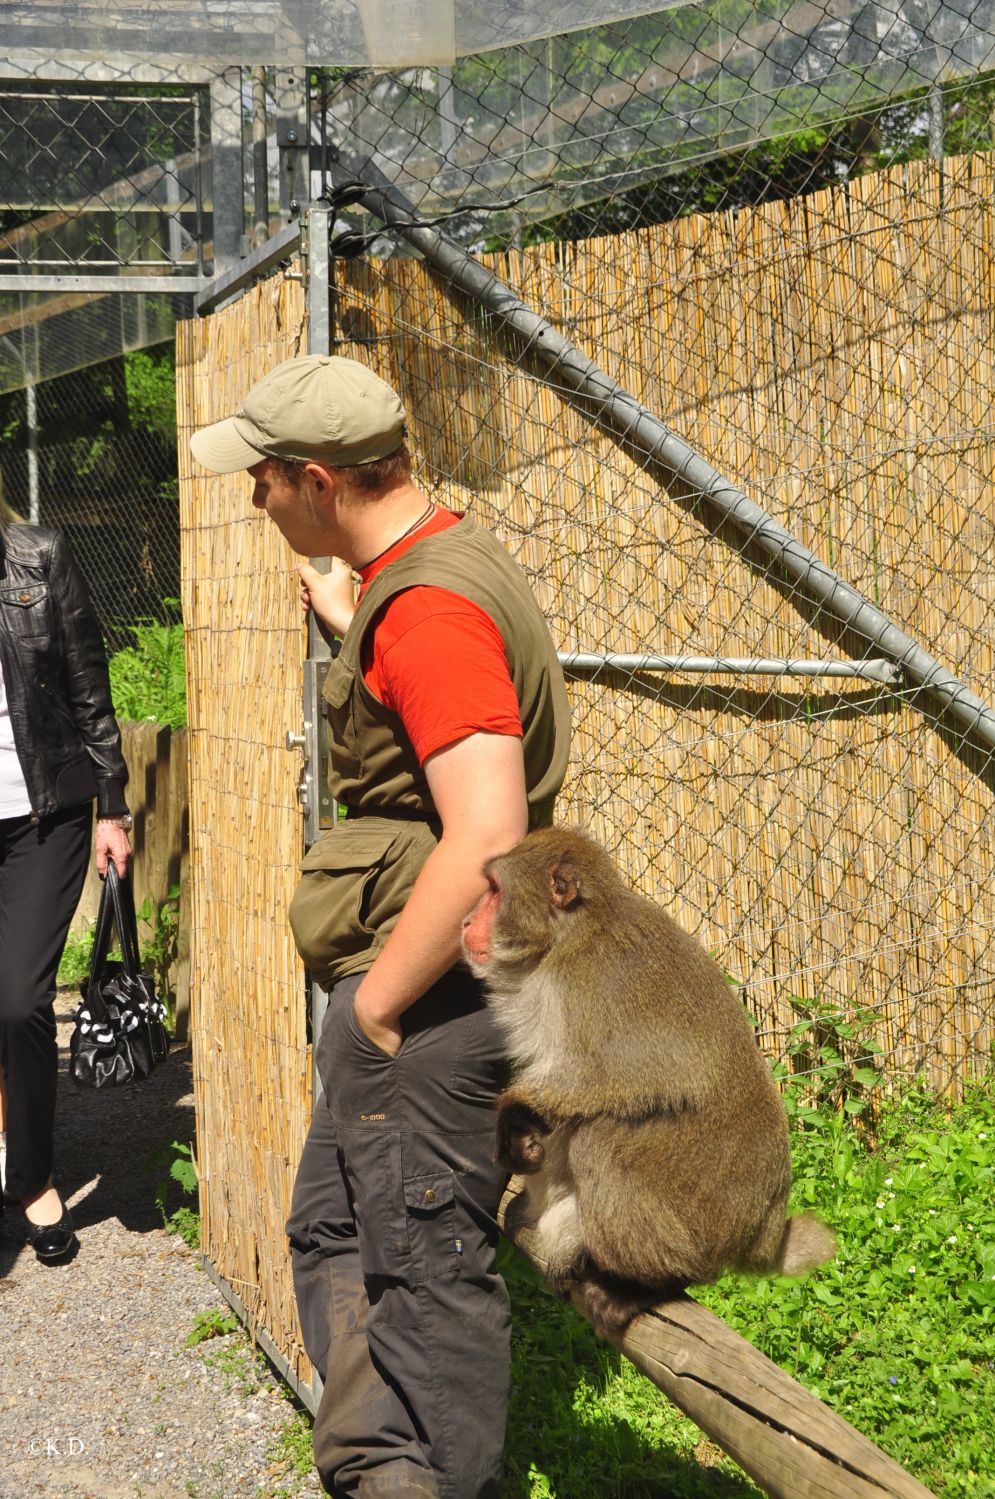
[[324, 487], [324, 480]]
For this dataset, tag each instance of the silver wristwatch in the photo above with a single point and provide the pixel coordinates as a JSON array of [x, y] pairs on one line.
[[121, 820]]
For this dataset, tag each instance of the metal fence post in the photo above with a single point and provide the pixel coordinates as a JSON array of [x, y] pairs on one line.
[[226, 169], [320, 810]]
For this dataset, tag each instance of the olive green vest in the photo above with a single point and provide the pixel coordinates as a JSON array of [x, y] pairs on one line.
[[357, 878]]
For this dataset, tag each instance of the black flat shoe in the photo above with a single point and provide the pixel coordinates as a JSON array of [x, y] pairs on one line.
[[53, 1242]]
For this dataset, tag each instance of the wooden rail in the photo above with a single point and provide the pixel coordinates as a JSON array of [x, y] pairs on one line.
[[790, 1444]]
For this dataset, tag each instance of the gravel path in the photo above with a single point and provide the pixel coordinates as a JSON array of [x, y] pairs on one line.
[[101, 1397]]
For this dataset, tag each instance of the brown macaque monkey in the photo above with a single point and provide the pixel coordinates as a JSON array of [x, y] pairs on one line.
[[642, 1110]]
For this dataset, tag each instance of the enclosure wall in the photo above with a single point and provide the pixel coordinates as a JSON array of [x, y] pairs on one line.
[[830, 842], [833, 356]]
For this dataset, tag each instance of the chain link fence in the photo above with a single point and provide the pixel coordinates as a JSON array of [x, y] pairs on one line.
[[774, 230], [771, 224], [93, 453], [99, 179]]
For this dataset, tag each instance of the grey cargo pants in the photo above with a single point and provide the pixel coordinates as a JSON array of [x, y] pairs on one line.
[[393, 1234]]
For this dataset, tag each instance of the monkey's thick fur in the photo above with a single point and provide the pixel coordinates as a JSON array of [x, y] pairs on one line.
[[641, 1109]]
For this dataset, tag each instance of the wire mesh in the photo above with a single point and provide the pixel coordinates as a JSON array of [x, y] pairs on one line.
[[772, 223], [93, 453], [797, 279], [99, 177]]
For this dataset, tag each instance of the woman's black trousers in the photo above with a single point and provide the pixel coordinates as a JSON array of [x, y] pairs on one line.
[[42, 868]]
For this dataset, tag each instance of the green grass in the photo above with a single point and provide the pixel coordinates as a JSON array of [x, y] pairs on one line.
[[290, 1457], [584, 1423], [897, 1334], [74, 964]]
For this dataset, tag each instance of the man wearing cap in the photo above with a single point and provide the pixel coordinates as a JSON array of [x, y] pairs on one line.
[[448, 729]]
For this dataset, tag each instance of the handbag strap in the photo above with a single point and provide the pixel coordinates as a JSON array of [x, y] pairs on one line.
[[123, 898], [116, 909], [101, 933]]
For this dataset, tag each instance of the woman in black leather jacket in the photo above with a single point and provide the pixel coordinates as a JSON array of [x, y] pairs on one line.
[[60, 748]]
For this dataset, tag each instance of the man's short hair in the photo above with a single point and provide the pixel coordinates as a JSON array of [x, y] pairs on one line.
[[364, 478]]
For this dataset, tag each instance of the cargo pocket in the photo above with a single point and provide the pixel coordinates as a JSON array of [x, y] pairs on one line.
[[341, 904], [430, 1202], [354, 883], [371, 1157]]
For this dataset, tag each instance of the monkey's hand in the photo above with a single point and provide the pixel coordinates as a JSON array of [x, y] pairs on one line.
[[519, 1136]]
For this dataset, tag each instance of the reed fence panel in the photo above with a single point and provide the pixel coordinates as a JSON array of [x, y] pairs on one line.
[[245, 646], [832, 355]]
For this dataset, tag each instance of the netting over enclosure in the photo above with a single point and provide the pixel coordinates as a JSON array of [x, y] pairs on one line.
[[605, 129]]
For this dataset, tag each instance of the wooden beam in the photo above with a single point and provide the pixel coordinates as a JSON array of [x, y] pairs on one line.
[[790, 1444]]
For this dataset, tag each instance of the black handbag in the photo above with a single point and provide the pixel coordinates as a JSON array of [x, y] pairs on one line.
[[120, 1033]]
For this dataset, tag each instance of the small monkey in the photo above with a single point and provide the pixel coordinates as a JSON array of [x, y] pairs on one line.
[[642, 1111]]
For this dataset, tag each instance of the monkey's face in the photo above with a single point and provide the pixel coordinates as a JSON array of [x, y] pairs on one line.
[[531, 891], [478, 927]]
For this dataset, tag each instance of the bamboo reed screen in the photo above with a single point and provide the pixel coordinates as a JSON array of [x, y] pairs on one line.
[[833, 355], [245, 646]]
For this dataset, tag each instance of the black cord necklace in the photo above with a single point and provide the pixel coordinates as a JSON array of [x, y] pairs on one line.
[[429, 510]]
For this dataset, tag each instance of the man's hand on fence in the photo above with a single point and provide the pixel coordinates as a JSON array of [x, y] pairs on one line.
[[331, 595]]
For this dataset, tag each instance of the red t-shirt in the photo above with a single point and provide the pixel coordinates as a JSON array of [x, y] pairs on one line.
[[436, 659]]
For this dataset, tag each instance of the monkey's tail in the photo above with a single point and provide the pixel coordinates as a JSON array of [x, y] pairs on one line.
[[806, 1242]]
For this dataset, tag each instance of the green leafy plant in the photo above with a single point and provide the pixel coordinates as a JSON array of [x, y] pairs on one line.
[[211, 1324], [176, 1160], [242, 1365], [74, 964], [148, 679], [832, 1061], [159, 947], [77, 958]]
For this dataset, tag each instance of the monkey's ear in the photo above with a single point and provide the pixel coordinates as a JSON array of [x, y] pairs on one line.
[[564, 885]]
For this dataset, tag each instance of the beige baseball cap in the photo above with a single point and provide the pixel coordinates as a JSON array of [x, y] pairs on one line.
[[318, 408]]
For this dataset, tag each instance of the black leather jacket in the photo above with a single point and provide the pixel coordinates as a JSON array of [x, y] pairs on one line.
[[55, 675]]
